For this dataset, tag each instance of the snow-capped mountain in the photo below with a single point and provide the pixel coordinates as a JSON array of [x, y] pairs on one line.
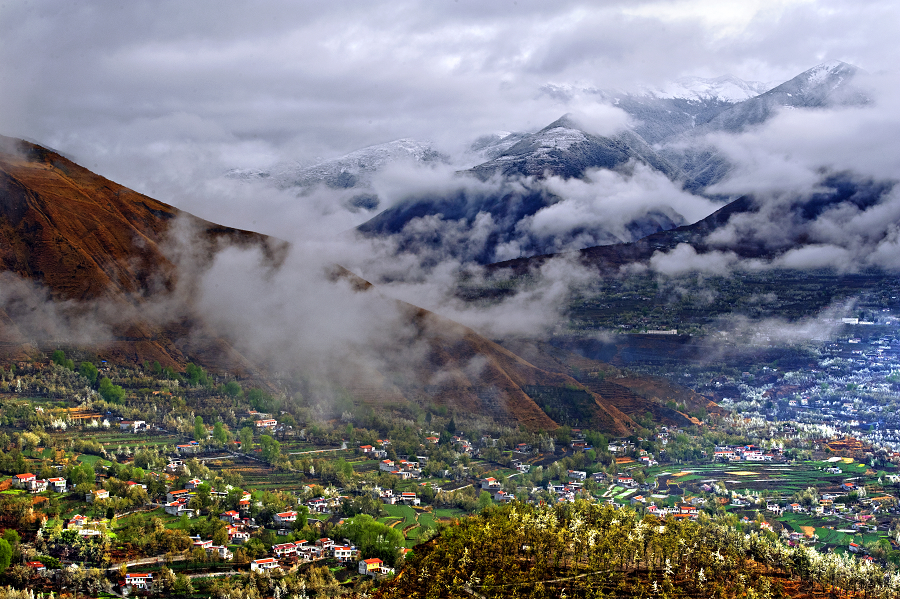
[[351, 170], [827, 85], [726, 89], [564, 149]]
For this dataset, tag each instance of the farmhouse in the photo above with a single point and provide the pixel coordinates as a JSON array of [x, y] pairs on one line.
[[137, 581], [268, 563], [21, 480], [371, 567], [285, 517]]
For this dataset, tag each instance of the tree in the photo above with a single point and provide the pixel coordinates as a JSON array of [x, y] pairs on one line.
[[88, 371], [232, 389], [373, 538], [199, 429], [6, 553], [196, 375], [183, 586], [219, 433], [246, 439], [271, 448], [110, 392]]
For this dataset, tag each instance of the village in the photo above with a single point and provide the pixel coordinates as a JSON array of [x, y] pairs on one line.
[[148, 504]]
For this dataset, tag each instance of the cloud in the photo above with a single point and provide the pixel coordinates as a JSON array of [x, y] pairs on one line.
[[684, 259]]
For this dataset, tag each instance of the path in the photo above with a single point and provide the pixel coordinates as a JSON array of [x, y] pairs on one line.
[[315, 451]]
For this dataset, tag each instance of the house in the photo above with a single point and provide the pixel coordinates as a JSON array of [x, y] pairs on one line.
[[854, 548], [38, 485], [132, 425], [285, 517], [96, 495], [221, 550], [366, 449], [325, 544], [179, 508], [490, 484], [238, 537], [344, 553], [408, 498], [504, 497], [284, 549], [386, 466], [267, 423], [57, 484], [37, 566], [688, 510], [230, 516], [188, 448], [268, 563], [432, 440], [370, 566], [77, 521], [176, 495], [200, 543], [137, 581], [626, 481], [21, 481], [192, 484], [577, 475]]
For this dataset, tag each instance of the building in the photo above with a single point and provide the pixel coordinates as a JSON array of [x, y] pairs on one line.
[[96, 495], [230, 516], [188, 448], [266, 423], [21, 480], [268, 563], [58, 484], [344, 553], [285, 517], [284, 549], [372, 566], [137, 581]]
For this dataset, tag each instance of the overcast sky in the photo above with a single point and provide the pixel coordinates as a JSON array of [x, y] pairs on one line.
[[158, 94]]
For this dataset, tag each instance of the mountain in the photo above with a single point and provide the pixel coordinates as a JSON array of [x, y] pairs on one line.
[[473, 222], [563, 148], [802, 220], [90, 266], [353, 171], [828, 85], [96, 246], [663, 113]]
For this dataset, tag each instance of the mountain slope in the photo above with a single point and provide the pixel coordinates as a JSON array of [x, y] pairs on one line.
[[80, 252], [827, 85], [480, 220], [564, 149]]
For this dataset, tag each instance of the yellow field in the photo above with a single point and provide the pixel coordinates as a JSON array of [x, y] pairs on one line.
[[743, 473]]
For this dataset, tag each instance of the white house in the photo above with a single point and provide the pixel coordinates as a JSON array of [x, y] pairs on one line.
[[267, 563], [285, 517], [137, 581]]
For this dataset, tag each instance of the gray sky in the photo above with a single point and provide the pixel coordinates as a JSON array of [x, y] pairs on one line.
[[163, 95]]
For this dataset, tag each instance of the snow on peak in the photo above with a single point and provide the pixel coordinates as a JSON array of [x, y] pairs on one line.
[[820, 73], [724, 89]]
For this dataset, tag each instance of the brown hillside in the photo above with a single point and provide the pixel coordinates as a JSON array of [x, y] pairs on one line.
[[99, 245], [620, 392]]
